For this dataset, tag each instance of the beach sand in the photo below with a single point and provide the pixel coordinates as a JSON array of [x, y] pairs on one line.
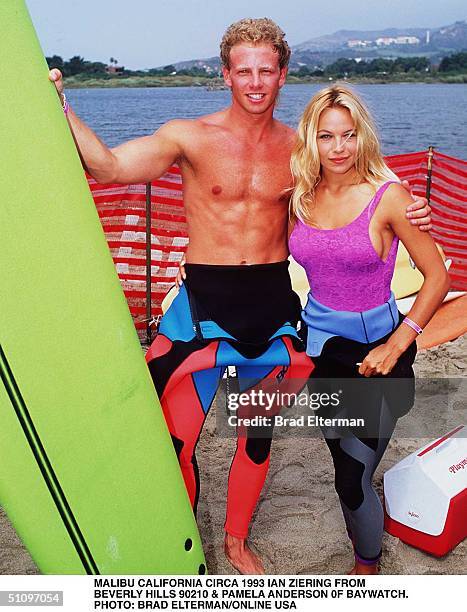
[[298, 527]]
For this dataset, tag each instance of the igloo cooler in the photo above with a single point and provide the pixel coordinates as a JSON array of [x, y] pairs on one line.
[[425, 495]]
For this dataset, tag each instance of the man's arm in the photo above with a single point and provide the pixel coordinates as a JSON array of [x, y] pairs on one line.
[[137, 161]]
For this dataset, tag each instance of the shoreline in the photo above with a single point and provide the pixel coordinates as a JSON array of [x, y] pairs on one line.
[[217, 84]]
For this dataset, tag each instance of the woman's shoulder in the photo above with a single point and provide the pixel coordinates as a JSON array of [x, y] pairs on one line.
[[393, 192], [394, 200]]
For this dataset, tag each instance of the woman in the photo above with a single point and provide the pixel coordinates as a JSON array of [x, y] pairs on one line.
[[348, 213]]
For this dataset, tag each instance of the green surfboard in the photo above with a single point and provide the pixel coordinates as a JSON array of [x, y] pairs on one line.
[[88, 475]]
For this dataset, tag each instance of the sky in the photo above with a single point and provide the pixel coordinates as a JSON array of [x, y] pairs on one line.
[[150, 33]]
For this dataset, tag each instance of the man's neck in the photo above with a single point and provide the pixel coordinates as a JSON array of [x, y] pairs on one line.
[[255, 125]]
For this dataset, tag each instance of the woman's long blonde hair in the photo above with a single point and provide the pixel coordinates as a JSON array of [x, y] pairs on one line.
[[305, 163]]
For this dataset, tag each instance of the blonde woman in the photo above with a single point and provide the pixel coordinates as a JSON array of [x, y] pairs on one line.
[[348, 214]]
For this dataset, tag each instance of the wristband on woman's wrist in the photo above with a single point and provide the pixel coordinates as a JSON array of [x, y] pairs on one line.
[[65, 105], [413, 325]]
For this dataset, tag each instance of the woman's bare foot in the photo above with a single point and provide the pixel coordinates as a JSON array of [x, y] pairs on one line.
[[241, 557]]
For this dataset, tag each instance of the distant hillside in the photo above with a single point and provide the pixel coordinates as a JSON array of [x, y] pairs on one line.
[[338, 40], [391, 42], [210, 64], [433, 43]]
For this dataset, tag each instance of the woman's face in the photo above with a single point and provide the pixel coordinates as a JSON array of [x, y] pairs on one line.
[[337, 140]]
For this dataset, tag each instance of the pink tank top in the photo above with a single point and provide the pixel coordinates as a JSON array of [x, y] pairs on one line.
[[343, 269]]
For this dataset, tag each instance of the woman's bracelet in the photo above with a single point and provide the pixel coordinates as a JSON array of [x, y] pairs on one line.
[[65, 105], [413, 325]]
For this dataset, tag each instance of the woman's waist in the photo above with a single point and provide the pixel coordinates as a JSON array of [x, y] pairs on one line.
[[362, 326], [351, 297]]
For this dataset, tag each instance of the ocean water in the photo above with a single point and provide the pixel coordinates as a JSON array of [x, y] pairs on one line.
[[410, 116]]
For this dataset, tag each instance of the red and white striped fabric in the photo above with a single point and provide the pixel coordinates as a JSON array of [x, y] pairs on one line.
[[449, 203], [448, 200], [122, 211]]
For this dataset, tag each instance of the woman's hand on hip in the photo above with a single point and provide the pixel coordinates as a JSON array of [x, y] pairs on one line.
[[380, 361]]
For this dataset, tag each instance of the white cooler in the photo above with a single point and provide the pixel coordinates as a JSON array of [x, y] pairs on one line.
[[425, 495]]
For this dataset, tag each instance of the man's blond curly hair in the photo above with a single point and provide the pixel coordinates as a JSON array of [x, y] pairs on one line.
[[255, 31]]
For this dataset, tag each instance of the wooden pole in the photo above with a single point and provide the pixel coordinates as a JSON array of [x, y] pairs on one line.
[[429, 173], [148, 263]]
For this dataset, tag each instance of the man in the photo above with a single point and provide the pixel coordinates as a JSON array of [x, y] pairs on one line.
[[237, 306]]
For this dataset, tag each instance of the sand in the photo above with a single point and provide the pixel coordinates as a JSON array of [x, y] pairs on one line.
[[298, 527]]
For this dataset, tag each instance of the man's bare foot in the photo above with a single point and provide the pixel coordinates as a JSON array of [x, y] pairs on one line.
[[240, 555], [361, 568]]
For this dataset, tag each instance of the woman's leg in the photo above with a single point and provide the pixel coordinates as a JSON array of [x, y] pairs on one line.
[[355, 461]]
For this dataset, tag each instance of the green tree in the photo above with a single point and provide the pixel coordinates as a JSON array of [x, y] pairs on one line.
[[380, 65], [454, 63], [303, 71], [95, 68], [341, 67], [55, 62], [75, 65]]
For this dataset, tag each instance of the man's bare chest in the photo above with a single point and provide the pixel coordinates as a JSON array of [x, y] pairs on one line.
[[231, 170]]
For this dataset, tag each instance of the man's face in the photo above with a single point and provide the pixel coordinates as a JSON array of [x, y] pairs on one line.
[[254, 76]]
